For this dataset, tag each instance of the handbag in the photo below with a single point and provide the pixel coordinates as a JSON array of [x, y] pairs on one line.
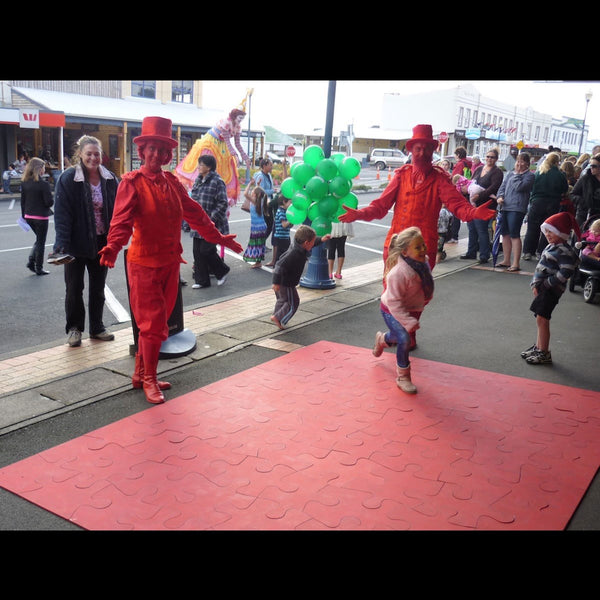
[[246, 204]]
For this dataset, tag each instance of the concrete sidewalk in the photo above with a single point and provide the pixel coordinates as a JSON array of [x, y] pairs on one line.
[[56, 378]]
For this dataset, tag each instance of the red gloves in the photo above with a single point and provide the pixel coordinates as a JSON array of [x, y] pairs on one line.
[[483, 212], [229, 242], [349, 216], [108, 257]]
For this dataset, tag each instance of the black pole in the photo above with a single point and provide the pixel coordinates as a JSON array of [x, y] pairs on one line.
[[329, 120], [317, 271]]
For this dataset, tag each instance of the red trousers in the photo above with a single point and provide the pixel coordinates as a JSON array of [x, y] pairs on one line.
[[152, 295]]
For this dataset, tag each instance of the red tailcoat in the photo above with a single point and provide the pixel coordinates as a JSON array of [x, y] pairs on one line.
[[152, 206], [418, 205]]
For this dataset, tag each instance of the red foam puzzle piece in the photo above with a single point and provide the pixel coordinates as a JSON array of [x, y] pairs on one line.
[[321, 438]]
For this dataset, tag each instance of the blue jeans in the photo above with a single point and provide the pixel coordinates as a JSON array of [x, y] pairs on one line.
[[511, 223], [397, 335], [479, 238]]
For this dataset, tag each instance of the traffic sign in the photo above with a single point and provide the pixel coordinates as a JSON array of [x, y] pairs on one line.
[[443, 137], [290, 151]]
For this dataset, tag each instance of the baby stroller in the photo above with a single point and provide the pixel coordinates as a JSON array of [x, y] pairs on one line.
[[586, 275]]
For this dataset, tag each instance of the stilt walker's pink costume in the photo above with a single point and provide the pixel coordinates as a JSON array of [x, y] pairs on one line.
[[151, 204]]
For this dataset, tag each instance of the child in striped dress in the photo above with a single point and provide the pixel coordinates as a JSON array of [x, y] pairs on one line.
[[255, 251]]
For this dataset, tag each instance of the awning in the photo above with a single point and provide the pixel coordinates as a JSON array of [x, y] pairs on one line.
[[11, 116]]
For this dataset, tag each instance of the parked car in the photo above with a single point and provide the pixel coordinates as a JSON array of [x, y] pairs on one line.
[[387, 157], [274, 157]]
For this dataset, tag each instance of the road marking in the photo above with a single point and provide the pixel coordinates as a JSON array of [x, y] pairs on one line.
[[115, 307]]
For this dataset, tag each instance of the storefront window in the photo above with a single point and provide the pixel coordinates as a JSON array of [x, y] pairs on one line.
[[143, 89], [182, 91]]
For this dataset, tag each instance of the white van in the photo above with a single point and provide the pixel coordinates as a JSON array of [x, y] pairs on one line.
[[387, 157]]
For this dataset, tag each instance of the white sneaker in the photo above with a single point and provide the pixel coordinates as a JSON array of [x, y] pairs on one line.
[[74, 338], [196, 286], [222, 280]]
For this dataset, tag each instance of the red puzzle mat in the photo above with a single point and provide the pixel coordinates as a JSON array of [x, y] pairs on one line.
[[321, 438]]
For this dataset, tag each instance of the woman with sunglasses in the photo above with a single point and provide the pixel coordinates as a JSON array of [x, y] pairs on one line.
[[489, 177], [586, 192]]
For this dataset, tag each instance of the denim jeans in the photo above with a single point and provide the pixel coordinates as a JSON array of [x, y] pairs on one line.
[[479, 238], [397, 335]]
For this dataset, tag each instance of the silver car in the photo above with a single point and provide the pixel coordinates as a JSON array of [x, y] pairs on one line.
[[387, 157]]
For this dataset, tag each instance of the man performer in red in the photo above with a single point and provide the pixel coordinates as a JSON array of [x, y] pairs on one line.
[[151, 203], [417, 192]]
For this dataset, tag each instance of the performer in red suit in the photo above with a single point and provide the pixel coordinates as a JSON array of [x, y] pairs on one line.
[[151, 204], [417, 192]]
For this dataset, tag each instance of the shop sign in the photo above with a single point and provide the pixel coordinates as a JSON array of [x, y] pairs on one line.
[[29, 118]]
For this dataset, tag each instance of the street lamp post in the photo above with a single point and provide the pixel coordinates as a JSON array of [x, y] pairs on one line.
[[588, 97], [317, 271]]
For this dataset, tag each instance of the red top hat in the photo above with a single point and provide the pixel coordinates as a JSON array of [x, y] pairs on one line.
[[561, 224], [156, 128], [424, 134]]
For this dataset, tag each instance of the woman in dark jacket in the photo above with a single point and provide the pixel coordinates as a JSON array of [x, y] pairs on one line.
[[549, 187], [84, 203], [36, 200], [489, 177], [586, 192]]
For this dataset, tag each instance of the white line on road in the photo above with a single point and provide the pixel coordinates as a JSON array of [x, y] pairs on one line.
[[115, 307]]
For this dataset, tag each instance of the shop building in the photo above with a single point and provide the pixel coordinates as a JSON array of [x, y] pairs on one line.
[[112, 111]]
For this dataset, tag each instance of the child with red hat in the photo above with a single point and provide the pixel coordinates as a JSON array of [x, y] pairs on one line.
[[557, 263]]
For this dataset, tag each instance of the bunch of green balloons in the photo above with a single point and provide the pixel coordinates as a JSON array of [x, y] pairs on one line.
[[318, 188]]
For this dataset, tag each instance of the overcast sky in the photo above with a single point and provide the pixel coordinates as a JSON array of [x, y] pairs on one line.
[[291, 105]]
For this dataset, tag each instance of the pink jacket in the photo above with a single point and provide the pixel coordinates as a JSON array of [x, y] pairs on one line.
[[594, 239], [404, 294]]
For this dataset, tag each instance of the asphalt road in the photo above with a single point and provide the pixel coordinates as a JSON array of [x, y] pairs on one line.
[[34, 306]]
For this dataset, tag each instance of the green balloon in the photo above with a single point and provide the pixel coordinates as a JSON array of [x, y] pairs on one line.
[[337, 158], [321, 225], [313, 211], [328, 206], [349, 168], [295, 216], [301, 201], [339, 186], [289, 187], [316, 187], [302, 173], [313, 155], [338, 212], [349, 200], [327, 169]]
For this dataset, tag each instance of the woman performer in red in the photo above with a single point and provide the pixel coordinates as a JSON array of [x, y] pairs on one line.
[[151, 204]]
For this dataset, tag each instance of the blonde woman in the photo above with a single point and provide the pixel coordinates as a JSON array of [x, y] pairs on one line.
[[36, 200], [548, 188]]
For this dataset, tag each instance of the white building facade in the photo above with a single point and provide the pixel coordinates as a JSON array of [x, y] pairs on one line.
[[479, 123]]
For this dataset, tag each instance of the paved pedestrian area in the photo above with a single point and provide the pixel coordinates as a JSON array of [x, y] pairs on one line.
[[55, 378]]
